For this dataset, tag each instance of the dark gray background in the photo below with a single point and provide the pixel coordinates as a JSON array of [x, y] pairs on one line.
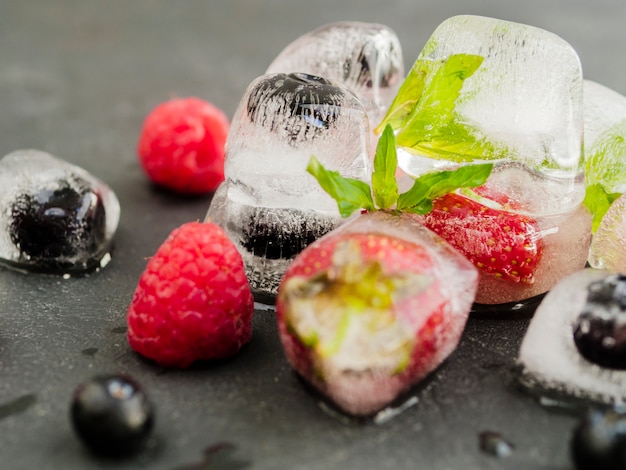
[[76, 79]]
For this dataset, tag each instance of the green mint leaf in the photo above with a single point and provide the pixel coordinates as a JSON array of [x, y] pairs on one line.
[[430, 186], [424, 112], [605, 160], [350, 194], [598, 201], [408, 95], [384, 185]]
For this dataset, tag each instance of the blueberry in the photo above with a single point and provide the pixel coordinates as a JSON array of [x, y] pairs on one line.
[[112, 415], [282, 233], [600, 329], [301, 104], [52, 226], [599, 440]]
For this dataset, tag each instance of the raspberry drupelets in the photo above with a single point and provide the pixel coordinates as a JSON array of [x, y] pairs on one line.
[[181, 146], [193, 301]]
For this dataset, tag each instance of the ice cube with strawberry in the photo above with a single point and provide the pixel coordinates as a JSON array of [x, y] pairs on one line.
[[373, 307]]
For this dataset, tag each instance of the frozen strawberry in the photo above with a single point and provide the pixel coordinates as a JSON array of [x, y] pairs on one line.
[[501, 243], [193, 301], [181, 145], [374, 306]]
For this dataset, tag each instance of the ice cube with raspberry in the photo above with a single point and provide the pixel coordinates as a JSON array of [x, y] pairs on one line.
[[59, 218], [373, 307]]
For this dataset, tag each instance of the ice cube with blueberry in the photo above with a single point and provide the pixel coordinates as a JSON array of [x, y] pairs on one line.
[[575, 346], [365, 57], [484, 89], [56, 216], [268, 204]]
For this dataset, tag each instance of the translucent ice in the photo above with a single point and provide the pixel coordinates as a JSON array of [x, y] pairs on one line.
[[268, 204], [55, 216], [605, 167], [484, 89], [575, 342], [365, 57], [487, 89], [608, 245]]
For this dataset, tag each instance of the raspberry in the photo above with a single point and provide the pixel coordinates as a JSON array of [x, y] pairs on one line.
[[181, 145], [193, 301]]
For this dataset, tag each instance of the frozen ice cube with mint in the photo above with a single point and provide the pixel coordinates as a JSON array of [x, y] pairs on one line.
[[365, 57], [484, 89]]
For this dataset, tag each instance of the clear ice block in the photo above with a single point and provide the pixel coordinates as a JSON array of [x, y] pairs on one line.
[[605, 173], [56, 217], [484, 89], [268, 204], [365, 57], [385, 347], [554, 363]]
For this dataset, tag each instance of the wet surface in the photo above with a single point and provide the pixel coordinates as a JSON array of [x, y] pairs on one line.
[[77, 79]]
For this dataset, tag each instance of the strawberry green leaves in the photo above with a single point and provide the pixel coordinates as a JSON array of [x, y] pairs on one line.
[[352, 194], [425, 115]]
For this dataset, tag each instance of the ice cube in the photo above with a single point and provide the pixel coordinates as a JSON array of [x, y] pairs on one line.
[[484, 89], [366, 57], [372, 308], [268, 204], [603, 109], [608, 245], [605, 164], [57, 217], [575, 343], [489, 89]]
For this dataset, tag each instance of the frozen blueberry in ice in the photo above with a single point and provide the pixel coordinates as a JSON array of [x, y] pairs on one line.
[[268, 235], [314, 100], [599, 440], [60, 223], [57, 218], [600, 329], [112, 414]]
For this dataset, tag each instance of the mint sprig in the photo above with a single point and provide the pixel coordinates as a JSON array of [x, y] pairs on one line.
[[424, 112], [352, 194]]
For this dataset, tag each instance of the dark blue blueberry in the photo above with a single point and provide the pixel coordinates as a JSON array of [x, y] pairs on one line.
[[298, 103], [600, 329], [112, 415], [54, 227], [599, 440]]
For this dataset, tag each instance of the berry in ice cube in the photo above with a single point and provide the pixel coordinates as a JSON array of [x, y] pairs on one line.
[[58, 217]]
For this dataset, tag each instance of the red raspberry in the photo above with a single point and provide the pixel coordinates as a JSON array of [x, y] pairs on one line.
[[193, 301], [181, 145]]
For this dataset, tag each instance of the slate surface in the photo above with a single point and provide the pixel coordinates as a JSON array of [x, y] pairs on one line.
[[76, 79]]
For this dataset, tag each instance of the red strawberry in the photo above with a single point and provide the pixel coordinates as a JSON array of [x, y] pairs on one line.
[[181, 145], [498, 242], [370, 309], [193, 300]]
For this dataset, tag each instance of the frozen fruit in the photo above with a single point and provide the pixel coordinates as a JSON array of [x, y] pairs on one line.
[[182, 143], [193, 301], [112, 414], [501, 243], [600, 329], [52, 224], [374, 306], [599, 440], [58, 217]]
